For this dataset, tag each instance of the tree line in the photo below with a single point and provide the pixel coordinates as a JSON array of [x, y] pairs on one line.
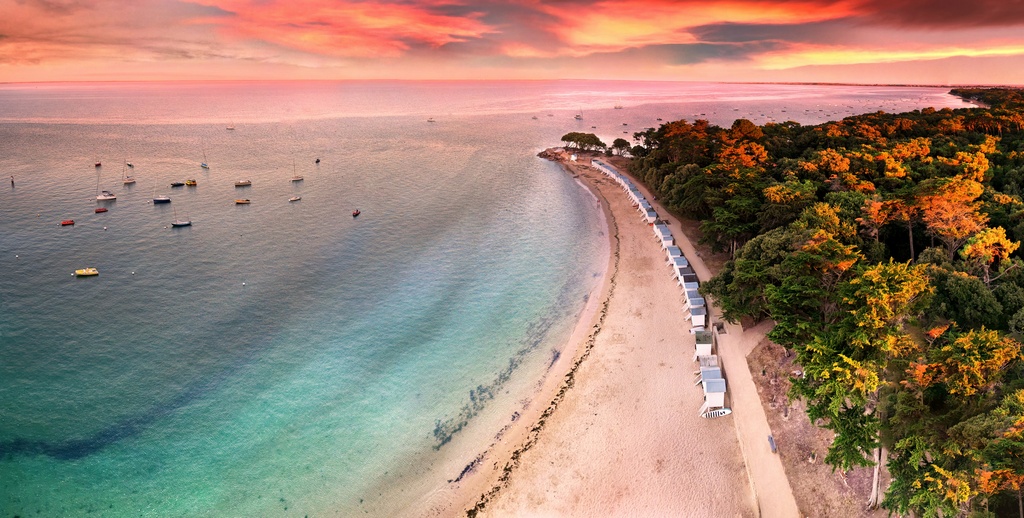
[[886, 249]]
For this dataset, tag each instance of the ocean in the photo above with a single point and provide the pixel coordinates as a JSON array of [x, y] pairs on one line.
[[285, 358]]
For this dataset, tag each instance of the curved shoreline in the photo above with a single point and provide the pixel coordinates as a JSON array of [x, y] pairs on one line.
[[568, 379], [483, 477]]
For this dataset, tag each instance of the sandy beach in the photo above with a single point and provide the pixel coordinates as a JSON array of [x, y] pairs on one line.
[[621, 435]]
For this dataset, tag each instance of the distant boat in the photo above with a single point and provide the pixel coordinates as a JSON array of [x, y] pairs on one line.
[[356, 213], [177, 184], [163, 198], [67, 222], [243, 183], [87, 272], [317, 161], [191, 182], [295, 198], [242, 201], [618, 106], [127, 179], [231, 127], [296, 177], [431, 120], [579, 115], [180, 222], [101, 209], [203, 164], [534, 117], [98, 164], [103, 195]]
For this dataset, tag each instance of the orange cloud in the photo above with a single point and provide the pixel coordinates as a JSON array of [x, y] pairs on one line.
[[816, 55], [345, 29], [610, 26]]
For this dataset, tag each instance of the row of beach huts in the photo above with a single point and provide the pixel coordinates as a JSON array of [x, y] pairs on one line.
[[709, 375]]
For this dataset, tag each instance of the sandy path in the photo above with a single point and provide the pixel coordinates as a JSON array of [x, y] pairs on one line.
[[626, 439]]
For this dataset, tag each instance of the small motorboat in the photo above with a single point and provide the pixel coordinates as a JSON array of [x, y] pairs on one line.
[[129, 164], [106, 196], [100, 209], [204, 165], [161, 199], [181, 223], [87, 272], [177, 184], [242, 201], [356, 213], [243, 183], [317, 161], [67, 222], [191, 182], [295, 198], [98, 164], [431, 120]]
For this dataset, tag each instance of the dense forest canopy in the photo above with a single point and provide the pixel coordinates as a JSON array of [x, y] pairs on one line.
[[886, 249]]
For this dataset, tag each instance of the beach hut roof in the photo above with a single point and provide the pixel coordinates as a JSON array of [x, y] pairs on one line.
[[714, 386], [674, 251]]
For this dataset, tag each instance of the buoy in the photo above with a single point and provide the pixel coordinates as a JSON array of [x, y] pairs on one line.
[[104, 228], [243, 284], [133, 273]]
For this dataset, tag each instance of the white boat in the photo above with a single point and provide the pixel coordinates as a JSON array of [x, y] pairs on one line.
[[295, 177], [103, 195], [203, 164], [180, 222], [243, 183], [579, 115], [431, 120], [127, 179], [295, 198]]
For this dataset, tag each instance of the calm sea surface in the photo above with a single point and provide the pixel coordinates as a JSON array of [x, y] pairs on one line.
[[286, 358]]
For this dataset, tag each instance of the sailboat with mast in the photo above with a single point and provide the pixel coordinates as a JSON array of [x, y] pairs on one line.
[[103, 195], [295, 176], [126, 178], [203, 164], [187, 222]]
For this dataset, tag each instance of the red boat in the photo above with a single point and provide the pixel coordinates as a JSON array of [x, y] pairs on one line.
[[101, 209], [355, 213], [67, 222]]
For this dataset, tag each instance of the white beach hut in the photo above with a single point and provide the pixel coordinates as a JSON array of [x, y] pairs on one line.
[[698, 317], [673, 251], [705, 342], [714, 399]]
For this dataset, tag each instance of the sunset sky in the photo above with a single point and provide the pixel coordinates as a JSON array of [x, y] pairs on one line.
[[859, 41]]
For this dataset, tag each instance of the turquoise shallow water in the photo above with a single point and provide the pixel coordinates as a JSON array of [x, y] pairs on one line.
[[284, 358]]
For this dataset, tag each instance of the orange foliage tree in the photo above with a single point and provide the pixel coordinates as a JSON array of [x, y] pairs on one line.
[[950, 210]]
